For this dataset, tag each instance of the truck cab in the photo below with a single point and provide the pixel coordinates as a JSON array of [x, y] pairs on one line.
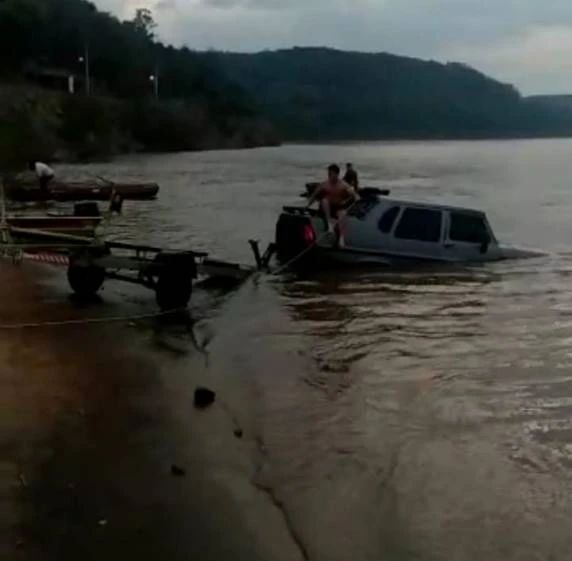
[[390, 230]]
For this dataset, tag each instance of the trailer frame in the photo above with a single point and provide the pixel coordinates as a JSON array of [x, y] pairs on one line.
[[169, 273]]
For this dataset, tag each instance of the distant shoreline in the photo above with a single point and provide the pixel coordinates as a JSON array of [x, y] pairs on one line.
[[302, 142], [59, 127]]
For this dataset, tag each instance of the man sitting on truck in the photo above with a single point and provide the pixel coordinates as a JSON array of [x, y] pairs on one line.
[[335, 197], [351, 177]]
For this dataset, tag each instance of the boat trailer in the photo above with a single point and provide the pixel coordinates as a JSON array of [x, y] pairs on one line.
[[170, 274]]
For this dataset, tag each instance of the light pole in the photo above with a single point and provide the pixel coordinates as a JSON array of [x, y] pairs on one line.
[[84, 59], [154, 79]]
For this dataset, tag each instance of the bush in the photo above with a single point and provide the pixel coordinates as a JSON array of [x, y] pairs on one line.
[[29, 125], [91, 127]]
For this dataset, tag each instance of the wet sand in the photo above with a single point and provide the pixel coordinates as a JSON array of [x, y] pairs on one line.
[[92, 419]]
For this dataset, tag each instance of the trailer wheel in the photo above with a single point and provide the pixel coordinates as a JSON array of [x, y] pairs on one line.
[[174, 289], [85, 281]]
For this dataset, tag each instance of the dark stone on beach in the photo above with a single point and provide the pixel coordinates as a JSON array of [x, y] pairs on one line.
[[204, 398], [177, 471], [238, 433]]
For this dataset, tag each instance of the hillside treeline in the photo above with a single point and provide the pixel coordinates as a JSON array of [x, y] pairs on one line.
[[316, 93], [197, 106]]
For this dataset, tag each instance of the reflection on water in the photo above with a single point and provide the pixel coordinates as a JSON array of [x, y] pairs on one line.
[[415, 414]]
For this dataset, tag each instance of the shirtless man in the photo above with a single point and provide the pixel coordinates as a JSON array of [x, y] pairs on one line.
[[335, 197]]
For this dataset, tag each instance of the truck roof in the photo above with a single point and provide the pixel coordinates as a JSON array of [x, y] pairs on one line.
[[387, 201]]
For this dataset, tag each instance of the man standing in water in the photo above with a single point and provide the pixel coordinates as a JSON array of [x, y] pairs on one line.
[[335, 197], [351, 177], [45, 174]]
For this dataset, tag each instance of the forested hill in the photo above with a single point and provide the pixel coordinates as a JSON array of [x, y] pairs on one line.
[[552, 102], [215, 100], [43, 42], [53, 35], [318, 93]]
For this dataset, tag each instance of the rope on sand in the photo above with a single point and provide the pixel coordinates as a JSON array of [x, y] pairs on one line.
[[88, 321]]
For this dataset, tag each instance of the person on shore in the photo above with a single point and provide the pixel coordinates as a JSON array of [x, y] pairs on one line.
[[351, 177], [335, 197], [45, 175], [116, 202]]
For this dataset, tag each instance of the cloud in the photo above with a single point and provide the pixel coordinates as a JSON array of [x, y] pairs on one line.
[[123, 8], [533, 58], [524, 41], [165, 5], [256, 4]]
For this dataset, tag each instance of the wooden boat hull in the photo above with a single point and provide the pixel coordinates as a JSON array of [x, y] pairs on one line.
[[82, 191], [25, 226]]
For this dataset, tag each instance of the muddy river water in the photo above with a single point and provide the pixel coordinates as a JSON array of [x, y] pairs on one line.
[[415, 415]]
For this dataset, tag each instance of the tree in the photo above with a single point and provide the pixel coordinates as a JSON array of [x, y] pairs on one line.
[[144, 22]]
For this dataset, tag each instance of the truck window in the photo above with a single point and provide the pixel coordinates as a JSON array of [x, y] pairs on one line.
[[388, 218], [420, 224], [363, 207], [467, 227]]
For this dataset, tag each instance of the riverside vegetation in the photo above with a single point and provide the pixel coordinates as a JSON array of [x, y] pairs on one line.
[[228, 100]]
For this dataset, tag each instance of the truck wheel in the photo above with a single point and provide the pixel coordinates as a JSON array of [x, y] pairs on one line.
[[174, 289], [85, 281]]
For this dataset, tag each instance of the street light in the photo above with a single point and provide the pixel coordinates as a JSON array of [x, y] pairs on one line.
[[154, 79], [84, 59]]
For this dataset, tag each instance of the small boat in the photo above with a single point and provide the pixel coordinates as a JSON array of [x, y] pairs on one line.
[[82, 223], [28, 191], [386, 231], [84, 226]]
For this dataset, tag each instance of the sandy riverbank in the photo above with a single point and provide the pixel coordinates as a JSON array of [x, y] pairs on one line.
[[93, 417]]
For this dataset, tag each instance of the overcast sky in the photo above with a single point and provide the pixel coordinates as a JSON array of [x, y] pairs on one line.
[[525, 42]]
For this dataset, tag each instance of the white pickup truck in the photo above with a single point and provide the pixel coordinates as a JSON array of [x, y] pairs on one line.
[[388, 231]]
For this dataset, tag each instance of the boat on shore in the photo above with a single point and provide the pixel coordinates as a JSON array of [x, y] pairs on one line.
[[37, 225], [26, 227], [60, 191]]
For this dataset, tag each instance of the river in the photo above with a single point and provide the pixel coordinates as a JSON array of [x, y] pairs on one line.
[[420, 415]]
